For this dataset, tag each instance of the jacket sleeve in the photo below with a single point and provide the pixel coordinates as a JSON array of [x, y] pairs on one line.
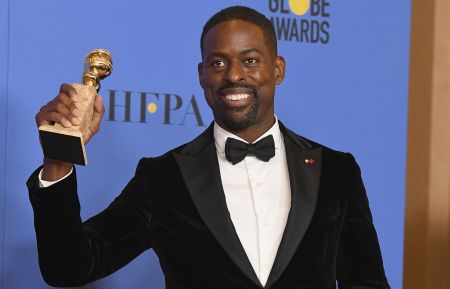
[[359, 261], [72, 252]]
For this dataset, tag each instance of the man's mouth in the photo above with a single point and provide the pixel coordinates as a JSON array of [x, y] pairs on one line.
[[237, 96], [240, 96]]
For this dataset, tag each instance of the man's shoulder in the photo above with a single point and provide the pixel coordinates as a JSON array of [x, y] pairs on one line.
[[306, 143]]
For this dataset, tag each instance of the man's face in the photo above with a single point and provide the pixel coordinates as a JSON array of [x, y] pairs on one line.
[[238, 75]]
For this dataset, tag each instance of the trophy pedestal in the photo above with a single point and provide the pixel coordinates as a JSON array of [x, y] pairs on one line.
[[67, 144]]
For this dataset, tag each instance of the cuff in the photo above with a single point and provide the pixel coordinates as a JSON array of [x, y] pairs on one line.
[[45, 184]]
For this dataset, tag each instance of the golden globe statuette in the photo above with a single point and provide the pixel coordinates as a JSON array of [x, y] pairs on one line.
[[67, 144]]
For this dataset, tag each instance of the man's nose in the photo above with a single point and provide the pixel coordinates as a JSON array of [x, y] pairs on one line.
[[235, 72]]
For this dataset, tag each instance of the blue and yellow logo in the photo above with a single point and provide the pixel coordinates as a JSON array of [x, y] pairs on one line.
[[299, 7], [306, 21]]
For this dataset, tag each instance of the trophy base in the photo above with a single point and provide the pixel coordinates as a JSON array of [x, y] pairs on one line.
[[65, 146]]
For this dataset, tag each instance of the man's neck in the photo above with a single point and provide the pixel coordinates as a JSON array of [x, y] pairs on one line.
[[252, 132]]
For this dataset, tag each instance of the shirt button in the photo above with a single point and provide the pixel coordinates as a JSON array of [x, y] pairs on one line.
[[258, 184]]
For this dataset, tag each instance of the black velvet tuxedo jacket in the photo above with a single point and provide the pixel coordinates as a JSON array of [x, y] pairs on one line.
[[175, 204]]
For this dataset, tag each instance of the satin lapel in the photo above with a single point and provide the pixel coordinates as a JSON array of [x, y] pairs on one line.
[[201, 174], [304, 180]]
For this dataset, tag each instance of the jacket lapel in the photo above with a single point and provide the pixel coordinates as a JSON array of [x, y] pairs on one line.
[[200, 170], [201, 174], [304, 180]]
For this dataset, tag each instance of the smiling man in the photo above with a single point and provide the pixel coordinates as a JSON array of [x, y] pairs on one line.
[[247, 204], [239, 74]]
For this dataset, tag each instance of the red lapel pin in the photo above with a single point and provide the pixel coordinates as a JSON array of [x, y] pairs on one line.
[[309, 161]]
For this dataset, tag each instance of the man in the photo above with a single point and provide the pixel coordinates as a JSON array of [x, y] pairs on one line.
[[283, 212]]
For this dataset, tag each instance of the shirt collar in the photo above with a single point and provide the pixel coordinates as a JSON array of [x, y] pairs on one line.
[[221, 135]]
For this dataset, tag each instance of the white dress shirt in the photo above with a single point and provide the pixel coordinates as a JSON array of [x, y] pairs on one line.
[[258, 197]]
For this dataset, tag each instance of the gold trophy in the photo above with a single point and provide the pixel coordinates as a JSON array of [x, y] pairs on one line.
[[67, 144]]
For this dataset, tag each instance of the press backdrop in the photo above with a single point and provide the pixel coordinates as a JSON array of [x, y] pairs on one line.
[[346, 87]]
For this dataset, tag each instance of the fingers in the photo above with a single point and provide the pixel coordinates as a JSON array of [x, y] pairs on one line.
[[68, 96], [62, 109], [68, 90]]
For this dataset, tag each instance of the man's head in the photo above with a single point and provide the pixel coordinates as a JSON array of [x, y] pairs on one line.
[[245, 14], [240, 69]]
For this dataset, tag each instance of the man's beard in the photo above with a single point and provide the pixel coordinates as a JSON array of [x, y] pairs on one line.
[[249, 117]]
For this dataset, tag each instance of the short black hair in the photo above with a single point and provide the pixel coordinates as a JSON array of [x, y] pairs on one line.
[[245, 14]]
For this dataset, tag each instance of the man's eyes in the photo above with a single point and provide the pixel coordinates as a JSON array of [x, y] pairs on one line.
[[251, 60], [222, 63], [217, 63]]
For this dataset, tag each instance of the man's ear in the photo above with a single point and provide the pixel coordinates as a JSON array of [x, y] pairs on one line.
[[200, 74], [280, 69]]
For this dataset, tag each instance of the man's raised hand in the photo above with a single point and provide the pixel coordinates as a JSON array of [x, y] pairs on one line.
[[63, 110]]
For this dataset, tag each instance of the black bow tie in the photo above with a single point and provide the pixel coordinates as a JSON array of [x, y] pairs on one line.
[[236, 150]]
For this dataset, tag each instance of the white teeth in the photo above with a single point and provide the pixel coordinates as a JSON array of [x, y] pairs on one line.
[[240, 96]]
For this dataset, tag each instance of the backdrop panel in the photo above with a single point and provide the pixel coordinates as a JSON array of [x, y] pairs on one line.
[[346, 87], [4, 21]]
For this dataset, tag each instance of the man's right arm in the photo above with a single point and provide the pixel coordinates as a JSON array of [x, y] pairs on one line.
[[72, 253]]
